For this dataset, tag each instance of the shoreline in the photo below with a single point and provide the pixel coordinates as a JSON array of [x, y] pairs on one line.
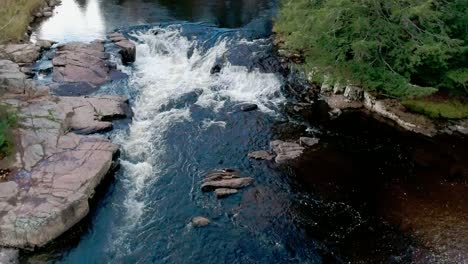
[[58, 161]]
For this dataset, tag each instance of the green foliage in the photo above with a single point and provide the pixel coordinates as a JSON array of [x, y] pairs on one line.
[[403, 48], [15, 17], [451, 109], [8, 120]]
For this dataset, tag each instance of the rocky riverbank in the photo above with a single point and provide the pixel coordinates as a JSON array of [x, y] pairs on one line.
[[340, 98], [58, 159]]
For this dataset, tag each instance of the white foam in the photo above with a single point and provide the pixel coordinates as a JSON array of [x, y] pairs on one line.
[[164, 71]]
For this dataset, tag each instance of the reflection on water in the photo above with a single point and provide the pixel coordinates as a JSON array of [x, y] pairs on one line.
[[86, 20]]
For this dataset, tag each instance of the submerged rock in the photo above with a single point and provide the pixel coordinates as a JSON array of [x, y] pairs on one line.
[[248, 107], [286, 151], [261, 155], [200, 221]]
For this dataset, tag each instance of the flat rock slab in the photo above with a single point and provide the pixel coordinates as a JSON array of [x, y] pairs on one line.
[[56, 171], [80, 62], [286, 151], [225, 179], [261, 155], [225, 192], [20, 53]]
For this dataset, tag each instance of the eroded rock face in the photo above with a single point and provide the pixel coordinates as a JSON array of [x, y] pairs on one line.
[[56, 171], [80, 62]]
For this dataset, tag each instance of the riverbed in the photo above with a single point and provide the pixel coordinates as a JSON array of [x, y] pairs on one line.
[[367, 193]]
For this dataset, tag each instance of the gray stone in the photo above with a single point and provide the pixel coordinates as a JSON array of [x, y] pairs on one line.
[[286, 151], [45, 44], [261, 155], [9, 256], [225, 192], [308, 142], [47, 14], [200, 221], [354, 93], [234, 183], [8, 190]]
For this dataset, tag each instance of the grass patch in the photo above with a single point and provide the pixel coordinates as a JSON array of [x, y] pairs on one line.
[[15, 16], [8, 120], [442, 109]]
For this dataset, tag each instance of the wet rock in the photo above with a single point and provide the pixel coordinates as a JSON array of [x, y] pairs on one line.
[[73, 89], [215, 69], [20, 53], [234, 183], [79, 62], [261, 155], [127, 51], [93, 114], [9, 256], [224, 192], [354, 93], [248, 107], [308, 142], [286, 151], [200, 221], [229, 179]]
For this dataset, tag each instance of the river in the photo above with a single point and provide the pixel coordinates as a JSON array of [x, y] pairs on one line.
[[369, 193]]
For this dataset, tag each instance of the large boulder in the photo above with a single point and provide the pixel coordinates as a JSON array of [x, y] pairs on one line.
[[80, 62], [56, 171], [20, 53]]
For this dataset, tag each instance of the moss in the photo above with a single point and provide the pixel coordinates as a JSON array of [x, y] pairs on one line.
[[8, 121], [441, 109], [15, 17]]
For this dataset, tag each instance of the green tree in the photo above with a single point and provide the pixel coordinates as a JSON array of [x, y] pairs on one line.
[[401, 48]]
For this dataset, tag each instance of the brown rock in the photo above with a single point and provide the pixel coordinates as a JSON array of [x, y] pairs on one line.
[[20, 53], [127, 51], [224, 192]]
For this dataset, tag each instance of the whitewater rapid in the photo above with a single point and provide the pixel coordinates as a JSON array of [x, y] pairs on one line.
[[168, 66]]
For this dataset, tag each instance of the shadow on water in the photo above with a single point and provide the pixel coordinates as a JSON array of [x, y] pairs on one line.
[[381, 195]]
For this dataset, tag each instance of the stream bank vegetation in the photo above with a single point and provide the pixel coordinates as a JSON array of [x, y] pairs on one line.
[[15, 16], [414, 50], [8, 121]]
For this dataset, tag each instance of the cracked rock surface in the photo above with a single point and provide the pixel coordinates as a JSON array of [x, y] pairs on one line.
[[56, 170]]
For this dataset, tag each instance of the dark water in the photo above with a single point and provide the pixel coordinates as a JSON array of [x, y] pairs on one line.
[[368, 193]]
